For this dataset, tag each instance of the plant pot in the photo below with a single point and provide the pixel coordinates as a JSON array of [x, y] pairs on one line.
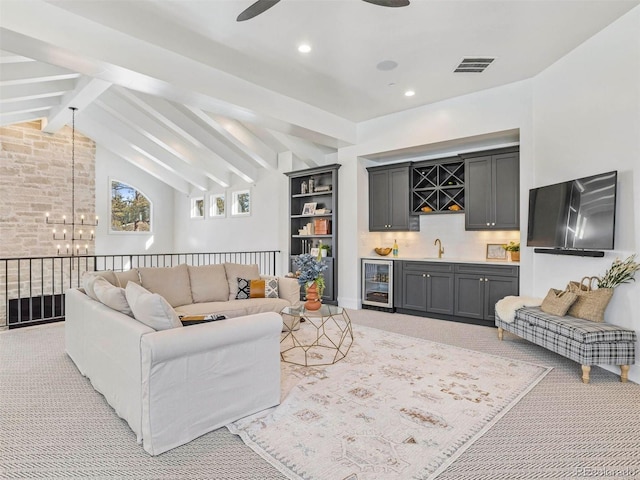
[[514, 256], [313, 299]]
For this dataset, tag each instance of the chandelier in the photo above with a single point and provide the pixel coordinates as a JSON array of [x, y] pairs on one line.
[[73, 232]]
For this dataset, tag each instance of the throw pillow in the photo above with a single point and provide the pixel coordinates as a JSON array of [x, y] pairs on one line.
[[558, 302], [271, 287], [150, 308], [244, 289], [256, 289], [237, 270], [89, 277], [112, 297], [172, 283]]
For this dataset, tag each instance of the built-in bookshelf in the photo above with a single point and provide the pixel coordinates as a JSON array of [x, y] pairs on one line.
[[313, 219]]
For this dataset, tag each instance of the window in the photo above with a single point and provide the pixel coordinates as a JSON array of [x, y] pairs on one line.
[[217, 205], [241, 203], [130, 209], [197, 207]]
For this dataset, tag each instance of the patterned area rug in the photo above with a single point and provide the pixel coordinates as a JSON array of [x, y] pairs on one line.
[[396, 407]]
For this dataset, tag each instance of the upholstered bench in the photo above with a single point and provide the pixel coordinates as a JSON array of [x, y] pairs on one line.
[[586, 342]]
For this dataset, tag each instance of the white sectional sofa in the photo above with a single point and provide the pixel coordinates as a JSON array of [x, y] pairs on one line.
[[176, 384]]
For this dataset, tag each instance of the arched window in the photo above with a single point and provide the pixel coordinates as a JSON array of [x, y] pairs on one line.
[[130, 209]]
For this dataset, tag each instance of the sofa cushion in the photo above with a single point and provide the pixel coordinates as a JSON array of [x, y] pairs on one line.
[[112, 296], [89, 277], [235, 271], [209, 283], [150, 308], [129, 276], [172, 283]]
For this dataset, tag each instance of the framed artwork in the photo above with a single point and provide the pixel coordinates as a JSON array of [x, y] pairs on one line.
[[496, 251], [197, 207], [217, 205], [314, 252], [241, 203], [309, 208]]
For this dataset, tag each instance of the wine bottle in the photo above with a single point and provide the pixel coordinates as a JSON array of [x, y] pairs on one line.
[[395, 248]]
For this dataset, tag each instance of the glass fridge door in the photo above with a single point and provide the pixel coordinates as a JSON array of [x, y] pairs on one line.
[[377, 282]]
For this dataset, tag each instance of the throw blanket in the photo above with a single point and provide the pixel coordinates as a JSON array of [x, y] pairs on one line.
[[506, 308]]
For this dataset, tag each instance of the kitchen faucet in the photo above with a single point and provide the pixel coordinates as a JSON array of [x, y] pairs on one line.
[[440, 249]]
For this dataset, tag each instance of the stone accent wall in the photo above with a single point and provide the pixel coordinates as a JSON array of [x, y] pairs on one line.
[[36, 178]]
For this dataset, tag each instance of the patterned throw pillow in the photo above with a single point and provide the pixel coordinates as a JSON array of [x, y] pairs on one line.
[[271, 287], [244, 289]]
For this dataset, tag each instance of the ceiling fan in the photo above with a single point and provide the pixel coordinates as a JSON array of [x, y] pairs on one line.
[[262, 6]]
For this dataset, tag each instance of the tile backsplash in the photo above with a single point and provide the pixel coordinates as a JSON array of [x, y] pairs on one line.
[[449, 228]]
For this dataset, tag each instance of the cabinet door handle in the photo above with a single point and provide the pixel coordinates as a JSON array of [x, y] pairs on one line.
[[488, 224], [424, 274], [481, 279], [493, 224], [428, 276], [486, 279]]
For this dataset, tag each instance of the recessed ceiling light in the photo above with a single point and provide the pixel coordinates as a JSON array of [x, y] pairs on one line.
[[409, 93], [304, 48]]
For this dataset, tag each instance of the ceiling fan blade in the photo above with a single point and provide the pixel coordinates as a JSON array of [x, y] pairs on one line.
[[389, 3], [257, 8]]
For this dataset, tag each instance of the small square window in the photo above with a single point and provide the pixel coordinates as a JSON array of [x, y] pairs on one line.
[[241, 203], [197, 207], [217, 205]]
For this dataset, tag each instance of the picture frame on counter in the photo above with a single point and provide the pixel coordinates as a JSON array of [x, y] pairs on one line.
[[496, 251]]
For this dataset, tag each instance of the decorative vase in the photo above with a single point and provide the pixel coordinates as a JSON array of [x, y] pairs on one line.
[[313, 299], [515, 256]]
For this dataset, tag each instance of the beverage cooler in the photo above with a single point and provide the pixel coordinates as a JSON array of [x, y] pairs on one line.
[[377, 284]]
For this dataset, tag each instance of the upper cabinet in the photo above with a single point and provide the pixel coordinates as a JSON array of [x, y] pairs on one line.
[[389, 199], [492, 190]]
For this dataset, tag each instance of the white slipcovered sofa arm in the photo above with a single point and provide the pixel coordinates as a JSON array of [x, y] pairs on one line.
[[199, 378]]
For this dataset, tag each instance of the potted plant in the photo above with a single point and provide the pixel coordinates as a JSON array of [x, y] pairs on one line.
[[309, 273], [325, 250], [513, 249]]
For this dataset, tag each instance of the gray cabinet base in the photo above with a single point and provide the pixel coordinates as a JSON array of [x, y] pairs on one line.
[[451, 318]]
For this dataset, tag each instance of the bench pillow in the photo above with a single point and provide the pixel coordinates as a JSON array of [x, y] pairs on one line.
[[558, 302], [172, 283]]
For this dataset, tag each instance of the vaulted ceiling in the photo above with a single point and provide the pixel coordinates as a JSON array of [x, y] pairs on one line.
[[182, 90]]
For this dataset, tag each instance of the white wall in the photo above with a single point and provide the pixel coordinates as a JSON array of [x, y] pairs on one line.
[[160, 240], [586, 120], [265, 229]]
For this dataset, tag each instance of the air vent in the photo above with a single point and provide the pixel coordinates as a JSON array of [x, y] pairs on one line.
[[473, 65]]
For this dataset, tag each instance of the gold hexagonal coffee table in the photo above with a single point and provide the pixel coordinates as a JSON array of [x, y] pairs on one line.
[[324, 337]]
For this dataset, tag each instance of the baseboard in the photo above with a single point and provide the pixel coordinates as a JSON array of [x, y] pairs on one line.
[[634, 372]]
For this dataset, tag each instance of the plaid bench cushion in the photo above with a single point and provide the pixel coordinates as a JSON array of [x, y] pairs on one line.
[[583, 331]]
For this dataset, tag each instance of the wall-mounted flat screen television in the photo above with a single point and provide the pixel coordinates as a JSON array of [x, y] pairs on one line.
[[578, 214]]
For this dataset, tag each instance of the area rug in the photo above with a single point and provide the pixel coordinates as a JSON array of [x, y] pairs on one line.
[[396, 407]]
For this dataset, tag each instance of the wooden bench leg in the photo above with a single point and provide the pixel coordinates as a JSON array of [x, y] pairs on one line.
[[501, 334], [585, 373], [624, 373]]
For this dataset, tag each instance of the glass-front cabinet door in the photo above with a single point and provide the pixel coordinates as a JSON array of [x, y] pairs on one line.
[[377, 283]]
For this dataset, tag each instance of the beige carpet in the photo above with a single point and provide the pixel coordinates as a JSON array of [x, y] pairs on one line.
[[54, 425], [395, 407]]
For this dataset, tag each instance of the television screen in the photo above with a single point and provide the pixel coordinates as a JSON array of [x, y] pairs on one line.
[[578, 214]]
